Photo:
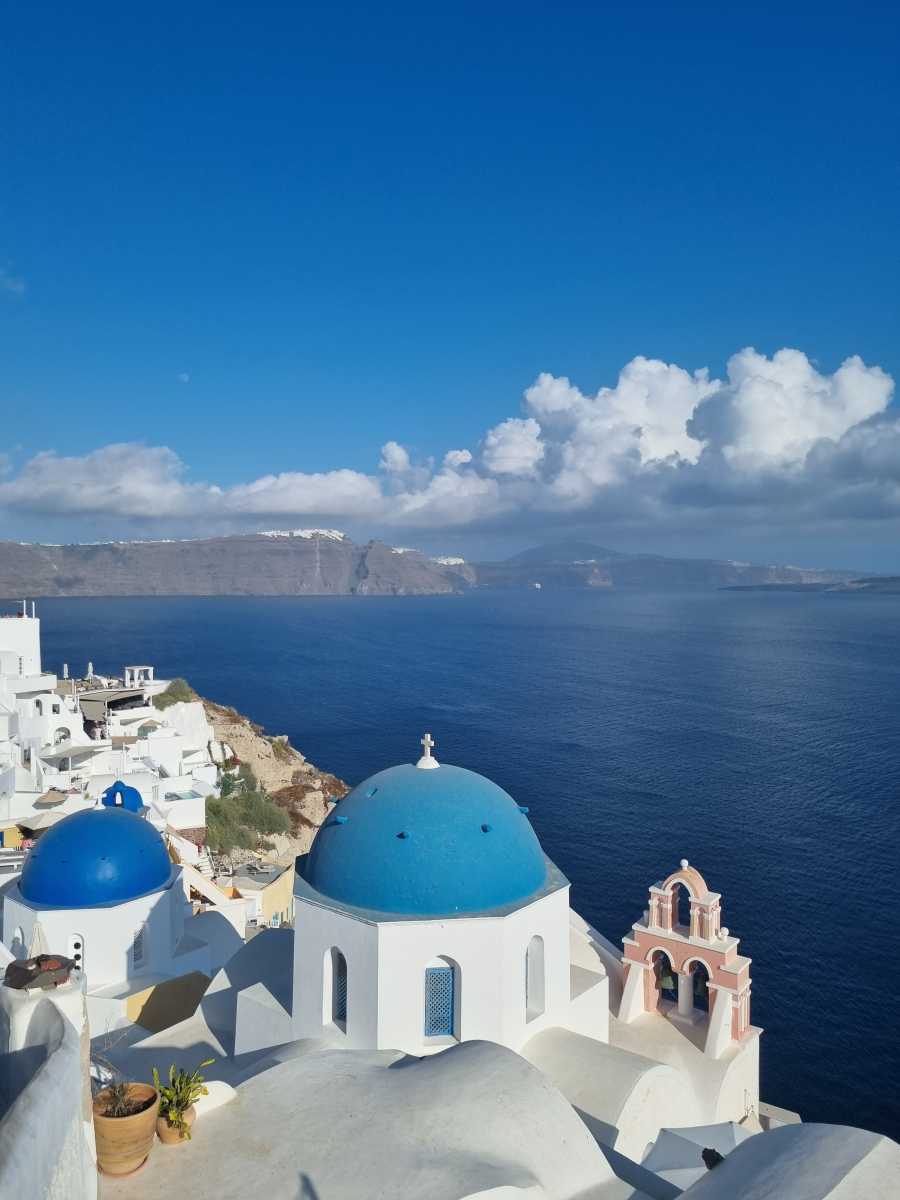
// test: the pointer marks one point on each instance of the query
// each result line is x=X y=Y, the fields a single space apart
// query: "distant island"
x=326 y=562
x=882 y=584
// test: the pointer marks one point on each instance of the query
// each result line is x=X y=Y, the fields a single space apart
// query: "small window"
x=440 y=1002
x=340 y=988
x=334 y=989
x=137 y=949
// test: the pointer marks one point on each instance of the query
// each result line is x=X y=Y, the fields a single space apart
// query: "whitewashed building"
x=427 y=888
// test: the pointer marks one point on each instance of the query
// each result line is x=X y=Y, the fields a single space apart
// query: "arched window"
x=534 y=979
x=138 y=949
x=441 y=998
x=700 y=986
x=334 y=989
x=61 y=735
x=664 y=981
x=681 y=906
x=18 y=949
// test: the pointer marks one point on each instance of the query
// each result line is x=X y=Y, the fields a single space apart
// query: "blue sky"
x=272 y=239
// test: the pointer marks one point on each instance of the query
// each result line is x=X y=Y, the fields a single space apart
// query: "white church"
x=439 y=1022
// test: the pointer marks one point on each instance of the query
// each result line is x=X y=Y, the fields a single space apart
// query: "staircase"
x=204 y=864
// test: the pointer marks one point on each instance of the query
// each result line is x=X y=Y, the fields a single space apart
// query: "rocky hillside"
x=583 y=565
x=325 y=562
x=293 y=782
x=302 y=562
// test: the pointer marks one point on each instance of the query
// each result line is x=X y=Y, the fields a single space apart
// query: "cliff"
x=293 y=783
x=325 y=562
x=279 y=563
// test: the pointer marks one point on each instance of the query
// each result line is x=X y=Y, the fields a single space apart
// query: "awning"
x=50 y=798
x=40 y=821
x=72 y=749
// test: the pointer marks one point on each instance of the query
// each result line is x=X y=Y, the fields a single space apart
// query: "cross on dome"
x=426 y=762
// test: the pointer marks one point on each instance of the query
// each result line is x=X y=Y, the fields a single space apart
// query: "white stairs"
x=204 y=864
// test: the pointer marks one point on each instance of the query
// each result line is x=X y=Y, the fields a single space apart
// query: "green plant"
x=177 y=691
x=113 y=1090
x=245 y=772
x=117 y=1101
x=177 y=1096
x=239 y=817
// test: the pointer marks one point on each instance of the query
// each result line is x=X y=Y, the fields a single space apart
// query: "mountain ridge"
x=326 y=562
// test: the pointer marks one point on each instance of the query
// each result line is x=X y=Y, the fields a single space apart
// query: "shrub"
x=238 y=818
x=178 y=690
x=223 y=831
x=256 y=811
x=251 y=783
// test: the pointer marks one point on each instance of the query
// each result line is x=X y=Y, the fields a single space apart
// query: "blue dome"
x=100 y=856
x=427 y=842
x=120 y=795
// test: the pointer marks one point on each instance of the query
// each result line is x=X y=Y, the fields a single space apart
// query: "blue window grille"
x=339 y=988
x=439 y=1002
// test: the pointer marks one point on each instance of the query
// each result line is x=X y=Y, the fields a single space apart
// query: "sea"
x=755 y=734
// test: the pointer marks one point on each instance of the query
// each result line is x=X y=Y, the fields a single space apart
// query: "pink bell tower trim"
x=663 y=947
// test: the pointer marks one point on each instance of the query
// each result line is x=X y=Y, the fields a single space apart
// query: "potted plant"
x=124 y=1123
x=176 y=1102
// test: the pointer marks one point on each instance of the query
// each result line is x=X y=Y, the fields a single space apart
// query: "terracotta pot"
x=171 y=1135
x=123 y=1143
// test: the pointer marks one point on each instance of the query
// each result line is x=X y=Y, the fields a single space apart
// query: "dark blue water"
x=756 y=735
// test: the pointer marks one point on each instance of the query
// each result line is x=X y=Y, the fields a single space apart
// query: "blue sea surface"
x=757 y=735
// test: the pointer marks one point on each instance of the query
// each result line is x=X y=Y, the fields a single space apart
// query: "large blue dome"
x=100 y=856
x=427 y=842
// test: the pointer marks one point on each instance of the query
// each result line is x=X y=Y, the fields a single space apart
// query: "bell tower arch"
x=711 y=977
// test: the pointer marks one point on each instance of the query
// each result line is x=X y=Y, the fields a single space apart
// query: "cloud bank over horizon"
x=775 y=444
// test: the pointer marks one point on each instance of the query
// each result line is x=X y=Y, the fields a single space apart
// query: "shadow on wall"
x=220 y=935
x=17 y=1069
x=169 y=1002
x=268 y=959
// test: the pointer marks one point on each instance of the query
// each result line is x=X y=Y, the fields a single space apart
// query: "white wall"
x=316 y=930
x=386 y=965
x=22 y=636
x=46 y=1136
x=107 y=933
x=188 y=718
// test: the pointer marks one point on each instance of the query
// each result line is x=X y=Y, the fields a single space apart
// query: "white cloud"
x=394 y=458
x=513 y=447
x=776 y=442
x=647 y=410
x=774 y=410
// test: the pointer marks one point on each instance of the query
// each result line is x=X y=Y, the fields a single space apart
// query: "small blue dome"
x=120 y=795
x=427 y=842
x=100 y=856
